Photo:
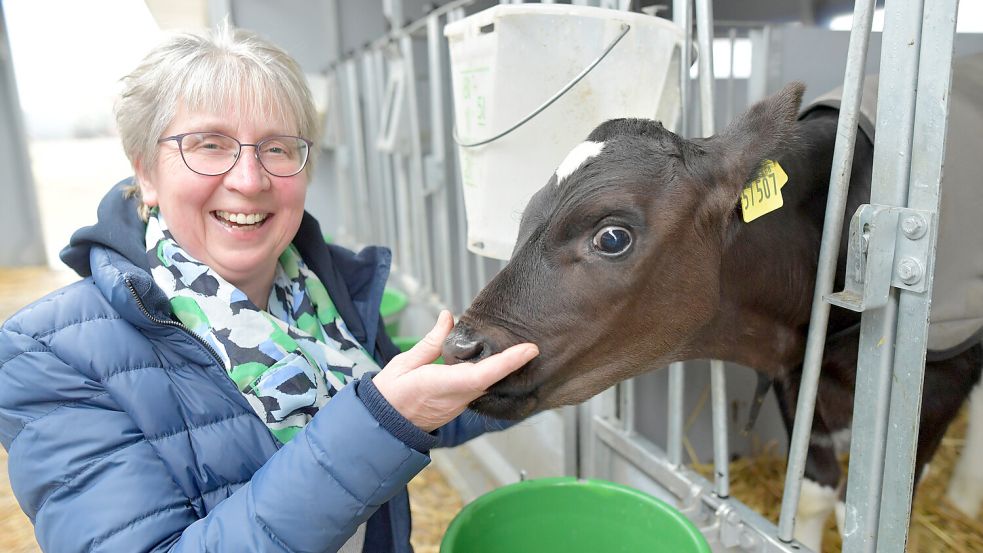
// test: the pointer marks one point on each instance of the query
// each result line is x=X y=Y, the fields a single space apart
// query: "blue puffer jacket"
x=126 y=434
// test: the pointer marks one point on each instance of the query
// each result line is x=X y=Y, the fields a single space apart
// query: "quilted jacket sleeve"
x=91 y=481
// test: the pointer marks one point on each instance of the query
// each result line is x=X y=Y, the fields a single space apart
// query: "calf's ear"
x=762 y=132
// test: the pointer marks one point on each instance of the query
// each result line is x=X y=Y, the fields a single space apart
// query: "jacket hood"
x=355 y=282
x=118 y=228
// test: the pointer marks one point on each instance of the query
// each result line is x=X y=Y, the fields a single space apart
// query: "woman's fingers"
x=431 y=395
x=429 y=348
x=490 y=370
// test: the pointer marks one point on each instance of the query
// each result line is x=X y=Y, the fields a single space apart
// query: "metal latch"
x=889 y=246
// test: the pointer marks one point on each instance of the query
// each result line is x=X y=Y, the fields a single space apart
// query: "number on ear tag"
x=764 y=194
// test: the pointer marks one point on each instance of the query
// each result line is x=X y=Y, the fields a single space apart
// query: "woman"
x=209 y=384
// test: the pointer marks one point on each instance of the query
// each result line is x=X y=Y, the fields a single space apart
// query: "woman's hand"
x=430 y=396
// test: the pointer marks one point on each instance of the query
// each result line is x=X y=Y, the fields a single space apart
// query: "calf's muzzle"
x=463 y=344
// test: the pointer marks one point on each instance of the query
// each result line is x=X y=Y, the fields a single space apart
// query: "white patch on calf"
x=966 y=484
x=841 y=518
x=581 y=153
x=815 y=505
x=839 y=440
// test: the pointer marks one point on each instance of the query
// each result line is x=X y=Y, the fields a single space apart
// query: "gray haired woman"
x=213 y=382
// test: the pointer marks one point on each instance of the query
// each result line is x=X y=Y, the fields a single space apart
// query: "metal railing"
x=392 y=105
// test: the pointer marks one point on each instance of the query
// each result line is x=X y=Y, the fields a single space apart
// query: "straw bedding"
x=936 y=526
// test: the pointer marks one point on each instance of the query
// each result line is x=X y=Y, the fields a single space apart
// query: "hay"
x=936 y=526
x=433 y=503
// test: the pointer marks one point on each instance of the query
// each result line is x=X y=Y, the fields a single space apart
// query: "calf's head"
x=617 y=265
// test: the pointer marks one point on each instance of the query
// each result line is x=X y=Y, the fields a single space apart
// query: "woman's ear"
x=148 y=190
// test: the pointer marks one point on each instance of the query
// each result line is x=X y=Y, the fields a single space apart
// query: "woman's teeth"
x=242 y=218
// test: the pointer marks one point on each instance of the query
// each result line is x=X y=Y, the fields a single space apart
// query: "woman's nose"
x=247 y=176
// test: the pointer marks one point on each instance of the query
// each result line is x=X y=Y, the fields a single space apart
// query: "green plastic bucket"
x=567 y=515
x=393 y=304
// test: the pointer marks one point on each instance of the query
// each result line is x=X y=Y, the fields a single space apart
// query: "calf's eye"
x=612 y=240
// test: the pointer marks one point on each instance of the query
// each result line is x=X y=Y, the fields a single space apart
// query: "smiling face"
x=237 y=223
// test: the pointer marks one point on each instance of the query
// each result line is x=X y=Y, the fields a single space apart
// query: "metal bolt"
x=914 y=226
x=910 y=270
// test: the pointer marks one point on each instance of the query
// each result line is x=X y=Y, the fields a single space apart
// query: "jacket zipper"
x=193 y=334
x=174 y=324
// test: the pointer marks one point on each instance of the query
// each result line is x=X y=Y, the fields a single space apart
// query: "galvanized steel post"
x=682 y=15
x=846 y=134
x=718 y=382
x=907 y=172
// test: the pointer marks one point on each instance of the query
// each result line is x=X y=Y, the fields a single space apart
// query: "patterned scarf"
x=287 y=361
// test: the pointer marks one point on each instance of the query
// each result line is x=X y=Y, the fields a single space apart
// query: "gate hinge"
x=889 y=246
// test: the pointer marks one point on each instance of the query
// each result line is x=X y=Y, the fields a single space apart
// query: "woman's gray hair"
x=223 y=69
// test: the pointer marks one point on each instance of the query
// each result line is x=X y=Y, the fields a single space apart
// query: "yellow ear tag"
x=763 y=194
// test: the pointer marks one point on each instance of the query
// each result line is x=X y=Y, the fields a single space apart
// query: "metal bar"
x=571 y=441
x=418 y=212
x=343 y=156
x=626 y=405
x=373 y=106
x=465 y=273
x=359 y=171
x=696 y=498
x=682 y=15
x=732 y=43
x=407 y=262
x=435 y=40
x=928 y=154
x=721 y=452
x=704 y=35
x=889 y=186
x=718 y=383
x=761 y=48
x=468 y=277
x=674 y=438
x=846 y=133
x=438 y=156
x=378 y=78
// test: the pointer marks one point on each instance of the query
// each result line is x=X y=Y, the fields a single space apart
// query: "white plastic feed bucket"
x=509 y=60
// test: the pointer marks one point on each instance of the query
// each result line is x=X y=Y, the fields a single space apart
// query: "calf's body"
x=636 y=255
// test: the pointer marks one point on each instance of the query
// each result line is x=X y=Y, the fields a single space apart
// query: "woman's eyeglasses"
x=213 y=154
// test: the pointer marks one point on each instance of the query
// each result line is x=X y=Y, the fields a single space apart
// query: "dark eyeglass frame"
x=179 y=138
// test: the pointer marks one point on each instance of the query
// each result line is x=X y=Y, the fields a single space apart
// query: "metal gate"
x=392 y=152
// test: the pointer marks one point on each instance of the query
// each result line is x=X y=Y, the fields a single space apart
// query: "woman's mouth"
x=241 y=220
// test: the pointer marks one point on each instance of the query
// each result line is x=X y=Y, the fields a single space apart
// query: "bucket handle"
x=624 y=30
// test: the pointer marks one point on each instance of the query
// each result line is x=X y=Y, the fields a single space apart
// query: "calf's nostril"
x=463 y=348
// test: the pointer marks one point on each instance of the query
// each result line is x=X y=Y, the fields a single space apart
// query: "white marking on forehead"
x=581 y=153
